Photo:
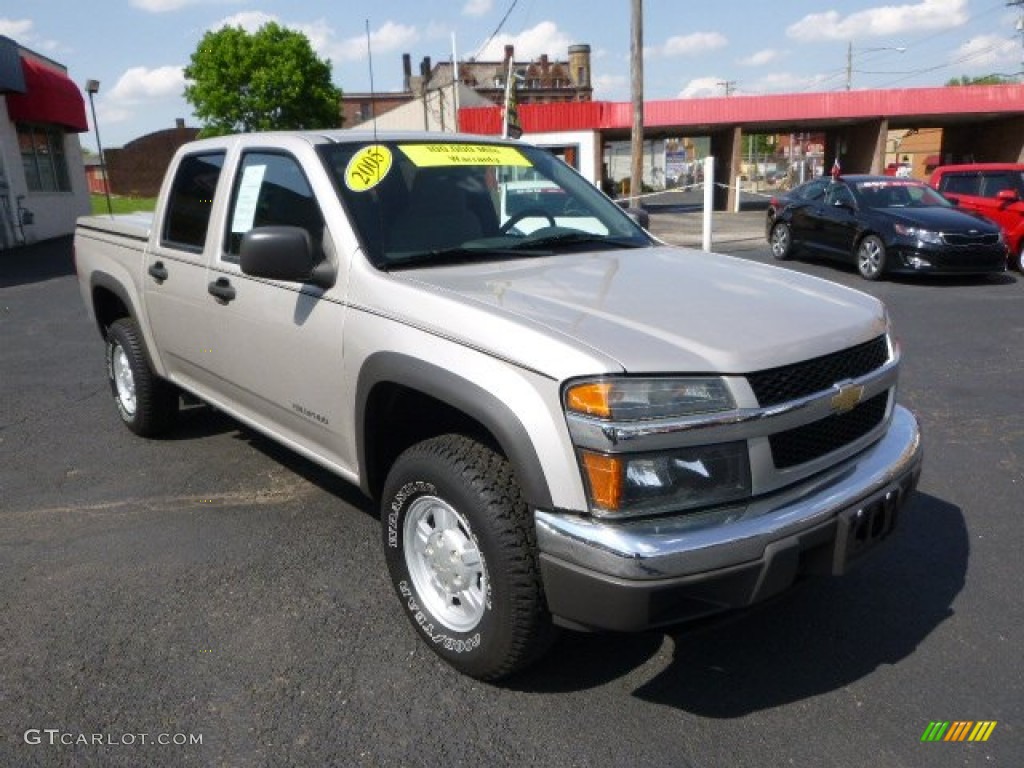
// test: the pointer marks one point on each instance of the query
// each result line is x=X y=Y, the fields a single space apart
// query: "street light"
x=92 y=87
x=849 y=58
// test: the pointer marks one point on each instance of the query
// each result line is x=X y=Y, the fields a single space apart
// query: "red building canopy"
x=50 y=97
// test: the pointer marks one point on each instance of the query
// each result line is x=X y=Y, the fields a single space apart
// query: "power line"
x=494 y=34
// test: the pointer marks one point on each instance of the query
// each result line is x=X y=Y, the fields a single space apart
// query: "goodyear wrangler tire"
x=460 y=547
x=147 y=404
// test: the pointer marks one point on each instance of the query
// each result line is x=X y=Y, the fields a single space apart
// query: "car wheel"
x=1020 y=257
x=781 y=240
x=147 y=404
x=461 y=551
x=871 y=257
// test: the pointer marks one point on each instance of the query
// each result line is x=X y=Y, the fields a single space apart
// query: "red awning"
x=50 y=97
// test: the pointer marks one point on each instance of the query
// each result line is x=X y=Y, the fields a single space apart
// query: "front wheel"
x=461 y=552
x=871 y=257
x=147 y=404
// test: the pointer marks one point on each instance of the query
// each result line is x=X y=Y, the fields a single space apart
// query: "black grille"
x=808 y=442
x=952 y=238
x=790 y=382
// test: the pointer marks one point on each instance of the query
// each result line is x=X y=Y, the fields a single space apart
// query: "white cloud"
x=165 y=6
x=987 y=52
x=611 y=87
x=880 y=22
x=388 y=38
x=760 y=58
x=16 y=28
x=703 y=87
x=250 y=21
x=139 y=84
x=323 y=38
x=689 y=45
x=785 y=82
x=477 y=7
x=546 y=37
x=23 y=31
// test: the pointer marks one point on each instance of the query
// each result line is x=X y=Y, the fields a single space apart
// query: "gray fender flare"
x=477 y=403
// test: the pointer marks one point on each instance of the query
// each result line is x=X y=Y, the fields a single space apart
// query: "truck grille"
x=790 y=382
x=808 y=442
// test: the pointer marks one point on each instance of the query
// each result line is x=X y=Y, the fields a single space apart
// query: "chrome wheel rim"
x=444 y=563
x=780 y=241
x=869 y=257
x=124 y=380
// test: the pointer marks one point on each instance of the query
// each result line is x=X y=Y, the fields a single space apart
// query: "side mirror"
x=1007 y=196
x=640 y=216
x=283 y=253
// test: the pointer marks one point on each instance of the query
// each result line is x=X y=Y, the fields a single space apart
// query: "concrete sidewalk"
x=743 y=231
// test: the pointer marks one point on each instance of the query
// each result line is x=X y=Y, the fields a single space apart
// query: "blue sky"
x=137 y=48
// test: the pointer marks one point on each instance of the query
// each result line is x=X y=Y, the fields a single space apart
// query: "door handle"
x=158 y=271
x=222 y=289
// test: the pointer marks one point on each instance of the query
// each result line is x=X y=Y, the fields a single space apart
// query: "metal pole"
x=99 y=147
x=636 y=49
x=709 y=199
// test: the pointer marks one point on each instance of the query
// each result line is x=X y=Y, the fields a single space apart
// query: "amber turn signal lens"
x=604 y=473
x=591 y=399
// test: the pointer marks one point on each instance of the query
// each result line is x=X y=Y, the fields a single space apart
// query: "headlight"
x=923 y=235
x=673 y=480
x=630 y=399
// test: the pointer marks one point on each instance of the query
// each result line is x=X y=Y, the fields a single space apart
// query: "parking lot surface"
x=211 y=599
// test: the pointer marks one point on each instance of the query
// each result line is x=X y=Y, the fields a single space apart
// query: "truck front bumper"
x=634 y=575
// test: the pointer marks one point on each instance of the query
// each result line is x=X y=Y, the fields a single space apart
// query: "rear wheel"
x=147 y=404
x=871 y=257
x=781 y=241
x=1020 y=257
x=461 y=551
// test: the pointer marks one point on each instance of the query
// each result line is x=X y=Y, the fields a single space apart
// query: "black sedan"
x=886 y=224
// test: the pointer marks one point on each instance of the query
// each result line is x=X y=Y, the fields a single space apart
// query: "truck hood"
x=665 y=309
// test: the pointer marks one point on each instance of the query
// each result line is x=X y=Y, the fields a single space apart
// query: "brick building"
x=137 y=168
x=540 y=81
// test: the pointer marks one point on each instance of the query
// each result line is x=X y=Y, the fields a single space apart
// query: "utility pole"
x=849 y=64
x=636 y=53
x=728 y=85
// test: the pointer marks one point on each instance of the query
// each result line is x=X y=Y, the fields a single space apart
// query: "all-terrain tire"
x=461 y=550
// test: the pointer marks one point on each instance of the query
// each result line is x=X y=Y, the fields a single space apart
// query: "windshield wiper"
x=458 y=255
x=574 y=238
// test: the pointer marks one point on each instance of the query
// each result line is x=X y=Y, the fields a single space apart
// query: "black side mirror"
x=283 y=253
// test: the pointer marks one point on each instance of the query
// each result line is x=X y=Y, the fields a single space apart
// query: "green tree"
x=983 y=80
x=269 y=80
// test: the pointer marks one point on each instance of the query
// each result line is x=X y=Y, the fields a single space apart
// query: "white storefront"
x=42 y=177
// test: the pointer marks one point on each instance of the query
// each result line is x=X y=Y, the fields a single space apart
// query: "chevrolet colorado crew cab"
x=564 y=422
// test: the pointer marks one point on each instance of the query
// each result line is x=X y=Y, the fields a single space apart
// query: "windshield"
x=422 y=203
x=898 y=194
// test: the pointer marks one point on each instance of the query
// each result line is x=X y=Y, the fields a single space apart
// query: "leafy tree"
x=269 y=80
x=983 y=80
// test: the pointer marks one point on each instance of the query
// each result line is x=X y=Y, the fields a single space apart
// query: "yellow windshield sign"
x=435 y=155
x=367 y=168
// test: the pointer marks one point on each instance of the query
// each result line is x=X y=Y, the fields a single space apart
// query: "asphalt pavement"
x=213 y=599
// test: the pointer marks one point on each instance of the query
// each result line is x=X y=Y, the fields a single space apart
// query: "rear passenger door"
x=282 y=341
x=175 y=284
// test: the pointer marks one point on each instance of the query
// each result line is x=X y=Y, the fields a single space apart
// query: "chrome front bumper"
x=671 y=555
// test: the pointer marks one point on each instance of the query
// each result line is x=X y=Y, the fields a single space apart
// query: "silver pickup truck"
x=564 y=422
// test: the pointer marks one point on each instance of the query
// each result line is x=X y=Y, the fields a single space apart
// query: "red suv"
x=995 y=190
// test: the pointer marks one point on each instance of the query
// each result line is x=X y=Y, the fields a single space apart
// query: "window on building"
x=42 y=154
x=365 y=111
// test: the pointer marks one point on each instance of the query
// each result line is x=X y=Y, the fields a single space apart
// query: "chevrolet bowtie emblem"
x=847 y=398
